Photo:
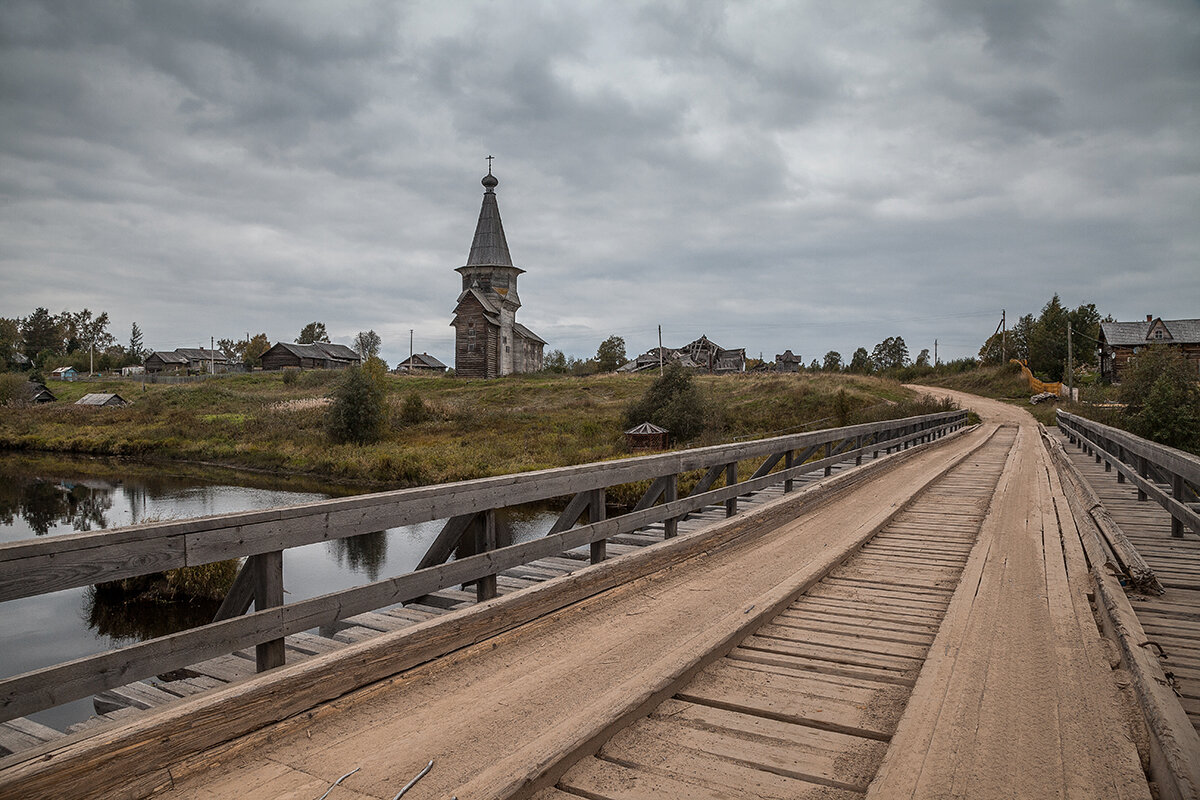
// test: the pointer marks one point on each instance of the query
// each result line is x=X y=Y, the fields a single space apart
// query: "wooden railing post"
x=1143 y=471
x=1121 y=456
x=670 y=495
x=858 y=443
x=268 y=593
x=789 y=460
x=1177 y=493
x=730 y=479
x=596 y=513
x=485 y=532
x=828 y=453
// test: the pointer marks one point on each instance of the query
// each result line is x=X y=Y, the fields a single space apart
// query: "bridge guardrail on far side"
x=1171 y=477
x=34 y=567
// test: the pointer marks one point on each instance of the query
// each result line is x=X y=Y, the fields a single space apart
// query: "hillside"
x=474 y=428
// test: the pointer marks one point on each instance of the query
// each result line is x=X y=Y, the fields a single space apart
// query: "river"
x=43 y=496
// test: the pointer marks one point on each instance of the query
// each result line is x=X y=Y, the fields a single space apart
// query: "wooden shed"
x=102 y=399
x=646 y=436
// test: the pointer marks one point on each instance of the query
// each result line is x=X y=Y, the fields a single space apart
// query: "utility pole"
x=212 y=355
x=410 y=340
x=1003 y=338
x=660 y=358
x=935 y=358
x=1070 y=366
x=92 y=358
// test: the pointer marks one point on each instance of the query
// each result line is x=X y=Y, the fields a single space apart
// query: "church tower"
x=488 y=340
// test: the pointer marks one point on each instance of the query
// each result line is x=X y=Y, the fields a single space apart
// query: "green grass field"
x=476 y=428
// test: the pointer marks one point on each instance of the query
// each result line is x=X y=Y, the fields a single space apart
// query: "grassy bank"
x=1002 y=382
x=474 y=429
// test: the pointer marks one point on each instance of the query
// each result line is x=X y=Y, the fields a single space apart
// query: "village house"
x=186 y=360
x=702 y=354
x=318 y=355
x=488 y=340
x=103 y=400
x=788 y=362
x=37 y=393
x=421 y=364
x=65 y=374
x=1121 y=341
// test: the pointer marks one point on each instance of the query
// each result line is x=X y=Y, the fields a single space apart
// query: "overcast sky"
x=811 y=176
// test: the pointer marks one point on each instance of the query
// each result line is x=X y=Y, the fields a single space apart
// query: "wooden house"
x=162 y=361
x=788 y=362
x=488 y=340
x=318 y=355
x=102 y=400
x=421 y=364
x=200 y=359
x=1122 y=341
x=37 y=393
x=702 y=354
x=65 y=374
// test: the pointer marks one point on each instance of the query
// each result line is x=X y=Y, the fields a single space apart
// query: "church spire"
x=489 y=247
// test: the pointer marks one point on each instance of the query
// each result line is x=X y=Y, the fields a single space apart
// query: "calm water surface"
x=47 y=497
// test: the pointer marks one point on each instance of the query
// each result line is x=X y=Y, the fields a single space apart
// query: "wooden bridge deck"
x=1172 y=620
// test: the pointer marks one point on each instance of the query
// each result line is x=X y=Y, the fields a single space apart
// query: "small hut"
x=102 y=399
x=646 y=436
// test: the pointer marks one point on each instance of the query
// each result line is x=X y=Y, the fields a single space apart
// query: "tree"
x=833 y=361
x=610 y=354
x=367 y=344
x=555 y=361
x=358 y=413
x=1162 y=396
x=136 y=353
x=674 y=402
x=814 y=366
x=312 y=332
x=1048 y=341
x=10 y=342
x=234 y=351
x=891 y=353
x=42 y=334
x=922 y=358
x=255 y=347
x=1020 y=338
x=1085 y=327
x=860 y=362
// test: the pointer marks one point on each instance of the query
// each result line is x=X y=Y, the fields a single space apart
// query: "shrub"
x=674 y=402
x=1162 y=397
x=290 y=377
x=414 y=411
x=14 y=389
x=358 y=412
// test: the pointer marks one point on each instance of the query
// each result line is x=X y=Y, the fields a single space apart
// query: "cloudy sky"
x=809 y=175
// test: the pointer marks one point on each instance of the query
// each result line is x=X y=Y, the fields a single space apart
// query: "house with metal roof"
x=186 y=359
x=1122 y=341
x=488 y=341
x=102 y=399
x=65 y=374
x=318 y=355
x=421 y=363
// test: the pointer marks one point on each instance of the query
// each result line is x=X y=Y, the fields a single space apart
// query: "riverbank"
x=474 y=428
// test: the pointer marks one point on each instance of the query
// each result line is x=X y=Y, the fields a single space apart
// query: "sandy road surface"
x=489 y=715
x=1016 y=699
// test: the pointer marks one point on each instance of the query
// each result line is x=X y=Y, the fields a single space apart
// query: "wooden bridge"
x=912 y=608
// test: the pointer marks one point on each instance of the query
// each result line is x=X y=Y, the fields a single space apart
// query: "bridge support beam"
x=485 y=533
x=596 y=513
x=268 y=593
x=670 y=495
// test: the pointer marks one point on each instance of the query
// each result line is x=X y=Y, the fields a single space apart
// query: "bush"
x=1162 y=398
x=674 y=402
x=358 y=412
x=14 y=389
x=291 y=377
x=414 y=411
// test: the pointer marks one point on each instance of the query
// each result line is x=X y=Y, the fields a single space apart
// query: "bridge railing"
x=1171 y=477
x=39 y=566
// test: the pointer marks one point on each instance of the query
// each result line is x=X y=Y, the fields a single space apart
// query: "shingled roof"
x=489 y=248
x=1134 y=334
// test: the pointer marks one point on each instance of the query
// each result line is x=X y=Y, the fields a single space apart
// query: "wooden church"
x=488 y=340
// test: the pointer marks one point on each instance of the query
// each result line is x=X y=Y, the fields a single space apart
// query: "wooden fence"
x=1171 y=477
x=35 y=567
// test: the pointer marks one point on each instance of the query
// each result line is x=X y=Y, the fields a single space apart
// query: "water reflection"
x=126 y=623
x=364 y=553
x=47 y=504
